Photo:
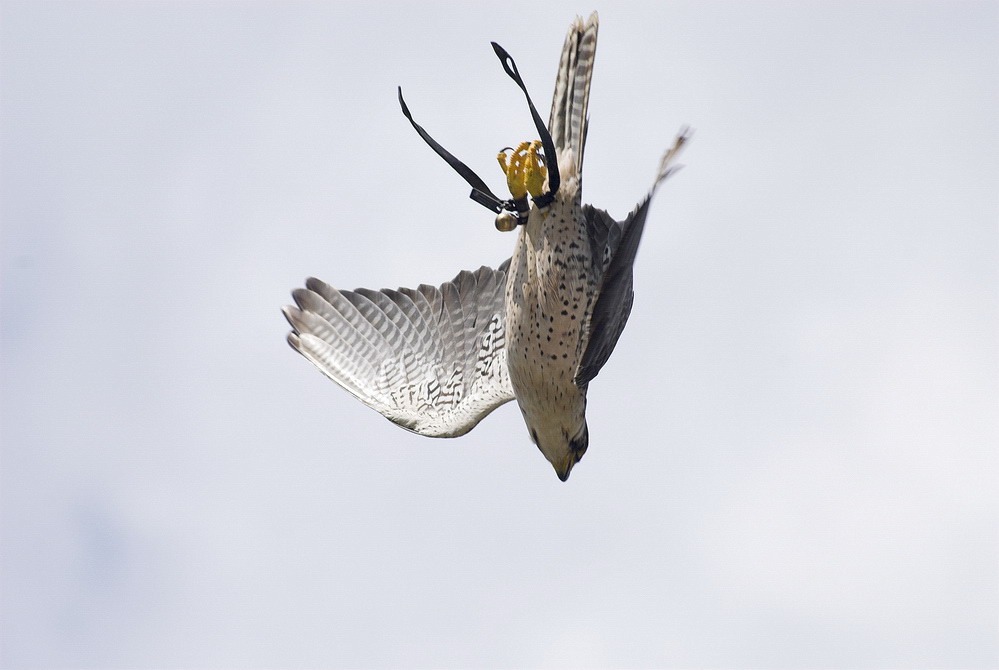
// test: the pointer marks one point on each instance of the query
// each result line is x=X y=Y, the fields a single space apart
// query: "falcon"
x=537 y=329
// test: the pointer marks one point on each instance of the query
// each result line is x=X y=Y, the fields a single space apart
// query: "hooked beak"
x=563 y=472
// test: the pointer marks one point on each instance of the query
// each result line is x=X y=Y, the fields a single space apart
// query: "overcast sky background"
x=793 y=450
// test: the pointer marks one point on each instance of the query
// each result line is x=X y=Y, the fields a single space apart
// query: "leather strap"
x=480 y=192
x=551 y=158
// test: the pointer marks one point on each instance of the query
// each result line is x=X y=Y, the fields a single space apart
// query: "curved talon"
x=534 y=170
x=524 y=168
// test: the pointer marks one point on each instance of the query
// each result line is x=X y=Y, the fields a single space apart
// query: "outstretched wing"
x=567 y=123
x=614 y=245
x=431 y=359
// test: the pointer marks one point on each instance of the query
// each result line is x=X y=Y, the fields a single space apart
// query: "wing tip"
x=667 y=164
x=293 y=315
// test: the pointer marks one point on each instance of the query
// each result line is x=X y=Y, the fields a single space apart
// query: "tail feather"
x=572 y=89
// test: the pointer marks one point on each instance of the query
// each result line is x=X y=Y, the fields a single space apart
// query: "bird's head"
x=562 y=448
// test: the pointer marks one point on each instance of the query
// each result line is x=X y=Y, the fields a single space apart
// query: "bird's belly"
x=544 y=355
x=549 y=300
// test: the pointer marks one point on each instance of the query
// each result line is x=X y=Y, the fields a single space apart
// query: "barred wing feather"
x=568 y=121
x=431 y=359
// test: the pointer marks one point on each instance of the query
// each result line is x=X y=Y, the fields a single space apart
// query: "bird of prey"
x=537 y=329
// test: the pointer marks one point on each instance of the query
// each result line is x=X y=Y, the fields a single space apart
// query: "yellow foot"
x=524 y=169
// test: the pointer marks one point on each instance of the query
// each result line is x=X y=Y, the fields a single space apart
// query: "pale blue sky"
x=793 y=450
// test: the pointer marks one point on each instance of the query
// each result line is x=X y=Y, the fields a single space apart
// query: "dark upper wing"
x=432 y=359
x=614 y=246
